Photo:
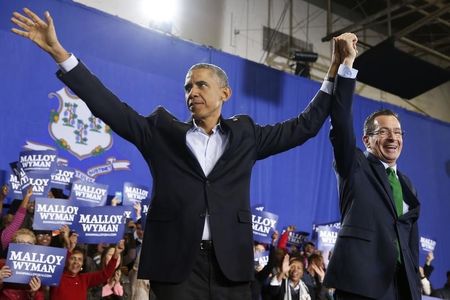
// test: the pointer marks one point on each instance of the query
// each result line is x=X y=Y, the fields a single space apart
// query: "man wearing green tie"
x=376 y=253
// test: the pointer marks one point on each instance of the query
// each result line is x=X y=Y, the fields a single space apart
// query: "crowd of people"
x=102 y=271
x=94 y=271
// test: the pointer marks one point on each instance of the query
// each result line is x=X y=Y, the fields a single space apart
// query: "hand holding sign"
x=5 y=272
x=35 y=284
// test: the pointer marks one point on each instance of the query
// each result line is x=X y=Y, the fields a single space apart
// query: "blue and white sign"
x=296 y=239
x=27 y=261
x=40 y=181
x=41 y=161
x=261 y=259
x=51 y=214
x=19 y=180
x=264 y=224
x=427 y=244
x=103 y=223
x=62 y=177
x=133 y=193
x=326 y=235
x=88 y=193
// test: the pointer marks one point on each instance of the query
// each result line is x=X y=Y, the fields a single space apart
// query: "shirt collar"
x=388 y=166
x=195 y=127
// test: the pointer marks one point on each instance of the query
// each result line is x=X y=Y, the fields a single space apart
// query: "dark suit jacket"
x=182 y=193
x=365 y=254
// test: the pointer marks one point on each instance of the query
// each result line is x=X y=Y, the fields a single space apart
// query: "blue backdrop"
x=147 y=69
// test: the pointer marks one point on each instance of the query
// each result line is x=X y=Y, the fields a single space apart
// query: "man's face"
x=204 y=94
x=386 y=142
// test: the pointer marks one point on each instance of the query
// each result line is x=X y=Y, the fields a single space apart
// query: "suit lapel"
x=234 y=137
x=179 y=132
x=380 y=173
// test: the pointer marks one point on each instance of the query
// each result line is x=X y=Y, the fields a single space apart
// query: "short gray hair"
x=223 y=78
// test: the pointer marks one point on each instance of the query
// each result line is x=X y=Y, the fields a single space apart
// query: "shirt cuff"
x=68 y=64
x=327 y=87
x=274 y=281
x=347 y=72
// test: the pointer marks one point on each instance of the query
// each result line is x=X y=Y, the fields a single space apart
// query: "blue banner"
x=94 y=224
x=264 y=224
x=51 y=214
x=27 y=261
x=88 y=193
x=62 y=177
x=37 y=160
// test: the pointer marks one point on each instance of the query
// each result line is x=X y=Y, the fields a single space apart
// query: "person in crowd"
x=288 y=284
x=13 y=291
x=205 y=226
x=8 y=232
x=313 y=277
x=4 y=190
x=444 y=292
x=378 y=204
x=428 y=268
x=424 y=282
x=74 y=285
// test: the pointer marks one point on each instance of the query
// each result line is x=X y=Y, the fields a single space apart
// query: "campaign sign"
x=145 y=207
x=264 y=224
x=427 y=244
x=326 y=235
x=27 y=261
x=133 y=193
x=19 y=180
x=261 y=259
x=40 y=181
x=51 y=214
x=103 y=223
x=42 y=161
x=79 y=175
x=88 y=193
x=129 y=212
x=15 y=191
x=296 y=239
x=62 y=177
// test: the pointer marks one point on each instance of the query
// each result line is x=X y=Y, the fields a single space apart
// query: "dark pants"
x=205 y=282
x=397 y=290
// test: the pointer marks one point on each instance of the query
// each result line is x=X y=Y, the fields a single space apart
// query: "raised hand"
x=345 y=45
x=119 y=248
x=41 y=32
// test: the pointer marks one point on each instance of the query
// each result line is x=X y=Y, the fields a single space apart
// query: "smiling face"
x=386 y=140
x=205 y=94
x=295 y=271
x=75 y=263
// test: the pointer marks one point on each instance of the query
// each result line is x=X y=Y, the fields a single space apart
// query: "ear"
x=365 y=140
x=226 y=93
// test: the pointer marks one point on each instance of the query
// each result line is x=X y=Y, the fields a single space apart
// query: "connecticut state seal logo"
x=74 y=127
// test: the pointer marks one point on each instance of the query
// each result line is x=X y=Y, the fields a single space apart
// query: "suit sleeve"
x=272 y=139
x=106 y=106
x=342 y=135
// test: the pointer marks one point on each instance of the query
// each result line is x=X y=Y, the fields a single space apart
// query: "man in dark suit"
x=376 y=253
x=198 y=236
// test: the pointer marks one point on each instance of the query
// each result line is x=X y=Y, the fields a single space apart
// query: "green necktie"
x=398 y=200
x=396 y=190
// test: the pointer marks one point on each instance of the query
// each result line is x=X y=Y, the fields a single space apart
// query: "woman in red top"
x=73 y=285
